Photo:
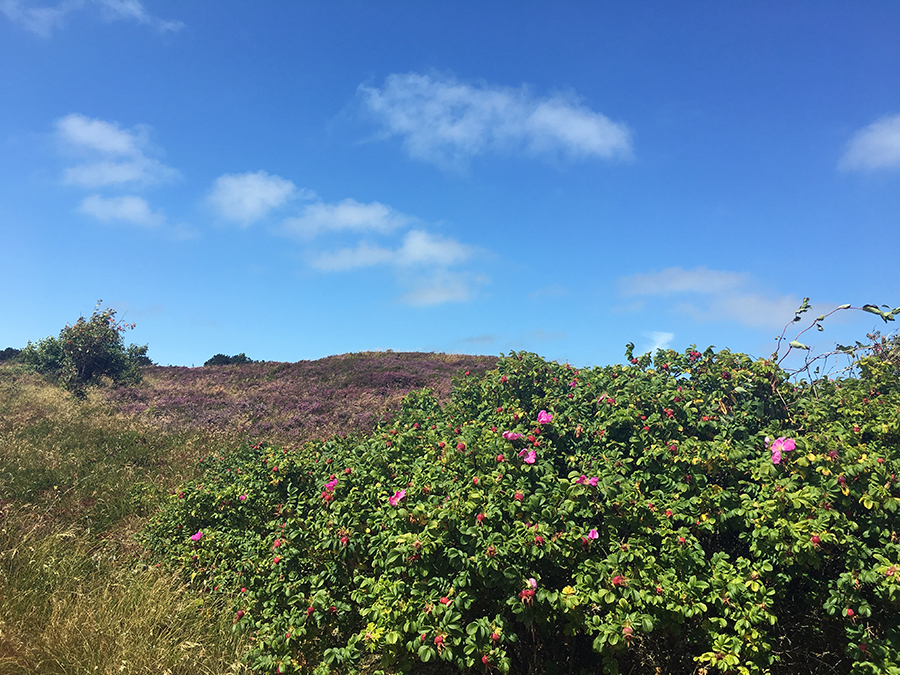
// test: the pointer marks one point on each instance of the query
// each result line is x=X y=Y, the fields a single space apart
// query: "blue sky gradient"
x=294 y=180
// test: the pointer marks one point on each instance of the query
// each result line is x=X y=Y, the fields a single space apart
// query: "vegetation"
x=80 y=477
x=86 y=352
x=223 y=360
x=682 y=513
x=9 y=354
x=689 y=510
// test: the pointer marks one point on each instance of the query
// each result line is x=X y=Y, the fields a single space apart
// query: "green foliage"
x=86 y=352
x=223 y=360
x=9 y=354
x=645 y=526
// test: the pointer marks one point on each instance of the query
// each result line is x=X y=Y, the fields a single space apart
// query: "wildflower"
x=544 y=417
x=511 y=435
x=197 y=537
x=581 y=480
x=530 y=457
x=778 y=446
x=532 y=583
x=398 y=495
x=593 y=533
x=330 y=485
x=243 y=498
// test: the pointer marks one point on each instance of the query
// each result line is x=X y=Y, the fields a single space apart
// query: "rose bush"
x=624 y=518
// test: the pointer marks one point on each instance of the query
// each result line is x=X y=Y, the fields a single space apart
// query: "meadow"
x=79 y=479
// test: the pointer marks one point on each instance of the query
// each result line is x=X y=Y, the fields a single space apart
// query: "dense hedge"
x=695 y=511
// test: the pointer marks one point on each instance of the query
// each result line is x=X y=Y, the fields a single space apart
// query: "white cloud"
x=248 y=197
x=423 y=262
x=717 y=296
x=39 y=20
x=348 y=215
x=132 y=9
x=104 y=137
x=43 y=20
x=658 y=340
x=443 y=287
x=445 y=121
x=418 y=249
x=128 y=208
x=114 y=155
x=875 y=147
x=363 y=255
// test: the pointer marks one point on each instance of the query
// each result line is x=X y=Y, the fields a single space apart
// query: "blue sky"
x=298 y=179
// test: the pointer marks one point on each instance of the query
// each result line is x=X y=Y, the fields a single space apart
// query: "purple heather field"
x=290 y=403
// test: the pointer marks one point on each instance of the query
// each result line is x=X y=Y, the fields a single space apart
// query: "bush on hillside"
x=223 y=360
x=9 y=354
x=683 y=512
x=86 y=352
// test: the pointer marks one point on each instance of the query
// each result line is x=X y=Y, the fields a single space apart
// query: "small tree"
x=87 y=351
x=224 y=360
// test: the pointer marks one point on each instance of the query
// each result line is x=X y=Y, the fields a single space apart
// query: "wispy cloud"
x=43 y=20
x=443 y=286
x=712 y=295
x=128 y=208
x=114 y=156
x=347 y=215
x=248 y=197
x=424 y=263
x=419 y=248
x=446 y=121
x=38 y=20
x=877 y=146
x=133 y=10
x=657 y=340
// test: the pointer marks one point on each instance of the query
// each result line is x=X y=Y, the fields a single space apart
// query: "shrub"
x=9 y=354
x=693 y=510
x=223 y=360
x=86 y=352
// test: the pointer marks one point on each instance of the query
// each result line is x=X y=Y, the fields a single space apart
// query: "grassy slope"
x=79 y=478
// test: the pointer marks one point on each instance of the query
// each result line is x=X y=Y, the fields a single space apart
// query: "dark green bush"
x=223 y=360
x=86 y=352
x=694 y=511
x=9 y=354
